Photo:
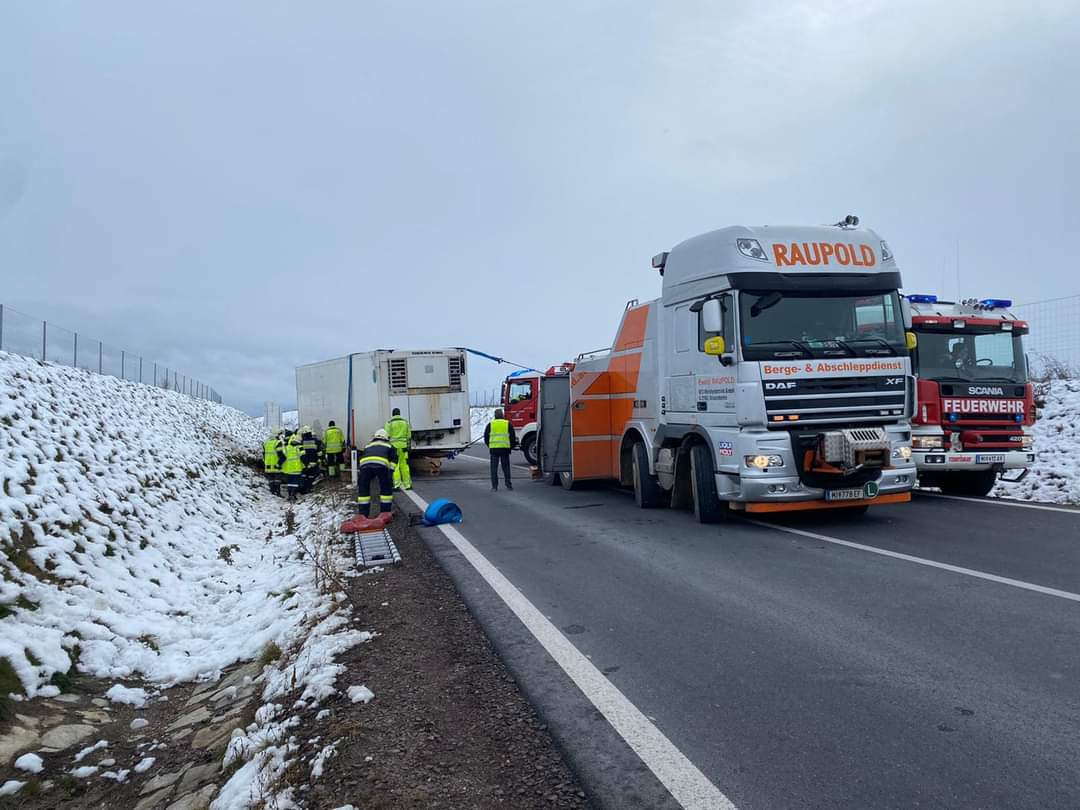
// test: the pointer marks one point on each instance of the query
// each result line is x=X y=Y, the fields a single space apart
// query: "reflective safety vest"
x=378 y=452
x=270 y=455
x=400 y=431
x=294 y=462
x=334 y=440
x=310 y=447
x=499 y=435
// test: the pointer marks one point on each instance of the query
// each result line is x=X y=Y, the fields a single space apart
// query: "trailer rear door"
x=554 y=424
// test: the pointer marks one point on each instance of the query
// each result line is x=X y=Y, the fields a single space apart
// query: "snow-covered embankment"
x=137 y=542
x=1055 y=476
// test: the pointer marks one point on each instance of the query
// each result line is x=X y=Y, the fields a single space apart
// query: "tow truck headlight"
x=761 y=462
x=751 y=249
x=927 y=442
x=903 y=452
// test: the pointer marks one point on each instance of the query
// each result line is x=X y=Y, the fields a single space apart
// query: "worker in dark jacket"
x=500 y=438
x=377 y=461
x=312 y=450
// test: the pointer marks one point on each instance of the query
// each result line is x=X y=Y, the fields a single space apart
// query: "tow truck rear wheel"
x=647 y=493
x=972 y=484
x=528 y=449
x=708 y=508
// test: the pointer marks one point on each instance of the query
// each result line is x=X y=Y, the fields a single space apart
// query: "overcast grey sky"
x=236 y=188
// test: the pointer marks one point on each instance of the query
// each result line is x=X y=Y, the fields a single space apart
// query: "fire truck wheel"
x=647 y=492
x=528 y=449
x=708 y=508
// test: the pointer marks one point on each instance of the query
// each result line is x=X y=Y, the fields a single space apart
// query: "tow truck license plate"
x=990 y=458
x=851 y=494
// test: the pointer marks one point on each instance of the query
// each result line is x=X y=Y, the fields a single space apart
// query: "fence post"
x=155 y=373
x=1 y=327
x=99 y=353
x=140 y=369
x=76 y=361
x=121 y=364
x=44 y=327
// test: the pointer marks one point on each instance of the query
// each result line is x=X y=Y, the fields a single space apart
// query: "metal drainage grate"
x=375 y=548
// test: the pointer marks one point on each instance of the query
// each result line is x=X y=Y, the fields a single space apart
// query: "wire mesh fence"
x=33 y=337
x=485 y=399
x=1055 y=330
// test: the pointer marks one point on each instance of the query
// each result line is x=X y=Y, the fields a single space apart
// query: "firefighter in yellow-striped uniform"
x=377 y=461
x=333 y=447
x=400 y=432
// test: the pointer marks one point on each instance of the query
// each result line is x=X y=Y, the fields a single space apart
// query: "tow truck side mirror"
x=712 y=317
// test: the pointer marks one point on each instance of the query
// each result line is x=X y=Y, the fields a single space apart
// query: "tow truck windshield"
x=791 y=325
x=971 y=355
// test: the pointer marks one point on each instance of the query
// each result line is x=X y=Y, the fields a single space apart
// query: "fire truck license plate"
x=990 y=458
x=851 y=494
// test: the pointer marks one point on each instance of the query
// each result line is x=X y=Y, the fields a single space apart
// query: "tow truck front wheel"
x=972 y=484
x=708 y=508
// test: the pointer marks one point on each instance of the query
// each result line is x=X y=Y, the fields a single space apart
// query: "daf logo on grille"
x=779 y=386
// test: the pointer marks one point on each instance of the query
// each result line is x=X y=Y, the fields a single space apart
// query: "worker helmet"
x=306 y=429
x=380 y=434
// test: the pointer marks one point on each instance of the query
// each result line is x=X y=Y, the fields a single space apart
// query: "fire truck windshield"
x=790 y=325
x=971 y=355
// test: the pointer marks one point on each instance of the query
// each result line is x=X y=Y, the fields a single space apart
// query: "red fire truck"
x=520 y=395
x=975 y=404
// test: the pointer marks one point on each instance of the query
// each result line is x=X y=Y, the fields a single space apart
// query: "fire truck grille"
x=836 y=400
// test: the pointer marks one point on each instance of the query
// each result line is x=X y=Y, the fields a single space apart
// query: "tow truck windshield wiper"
x=880 y=341
x=798 y=344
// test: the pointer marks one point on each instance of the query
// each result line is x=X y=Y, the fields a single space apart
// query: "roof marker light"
x=1006 y=326
x=886 y=255
x=922 y=299
x=751 y=249
x=995 y=303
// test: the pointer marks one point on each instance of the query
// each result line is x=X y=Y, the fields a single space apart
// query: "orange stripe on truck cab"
x=632 y=332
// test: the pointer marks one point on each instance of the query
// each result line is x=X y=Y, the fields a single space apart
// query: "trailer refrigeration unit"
x=361 y=390
x=975 y=405
x=771 y=375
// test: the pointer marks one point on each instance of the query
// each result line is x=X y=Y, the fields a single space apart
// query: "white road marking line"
x=996 y=502
x=690 y=787
x=956 y=569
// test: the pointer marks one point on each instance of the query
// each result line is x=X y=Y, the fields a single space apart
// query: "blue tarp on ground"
x=442 y=511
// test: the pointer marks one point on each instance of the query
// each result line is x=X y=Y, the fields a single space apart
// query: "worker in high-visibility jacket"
x=500 y=438
x=333 y=447
x=400 y=432
x=272 y=447
x=376 y=462
x=293 y=466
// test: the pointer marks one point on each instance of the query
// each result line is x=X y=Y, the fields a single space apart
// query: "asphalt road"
x=797 y=672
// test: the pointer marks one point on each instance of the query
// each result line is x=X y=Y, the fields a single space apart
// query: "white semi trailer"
x=360 y=391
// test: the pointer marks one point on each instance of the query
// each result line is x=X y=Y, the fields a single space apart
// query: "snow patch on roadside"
x=1055 y=476
x=135 y=537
